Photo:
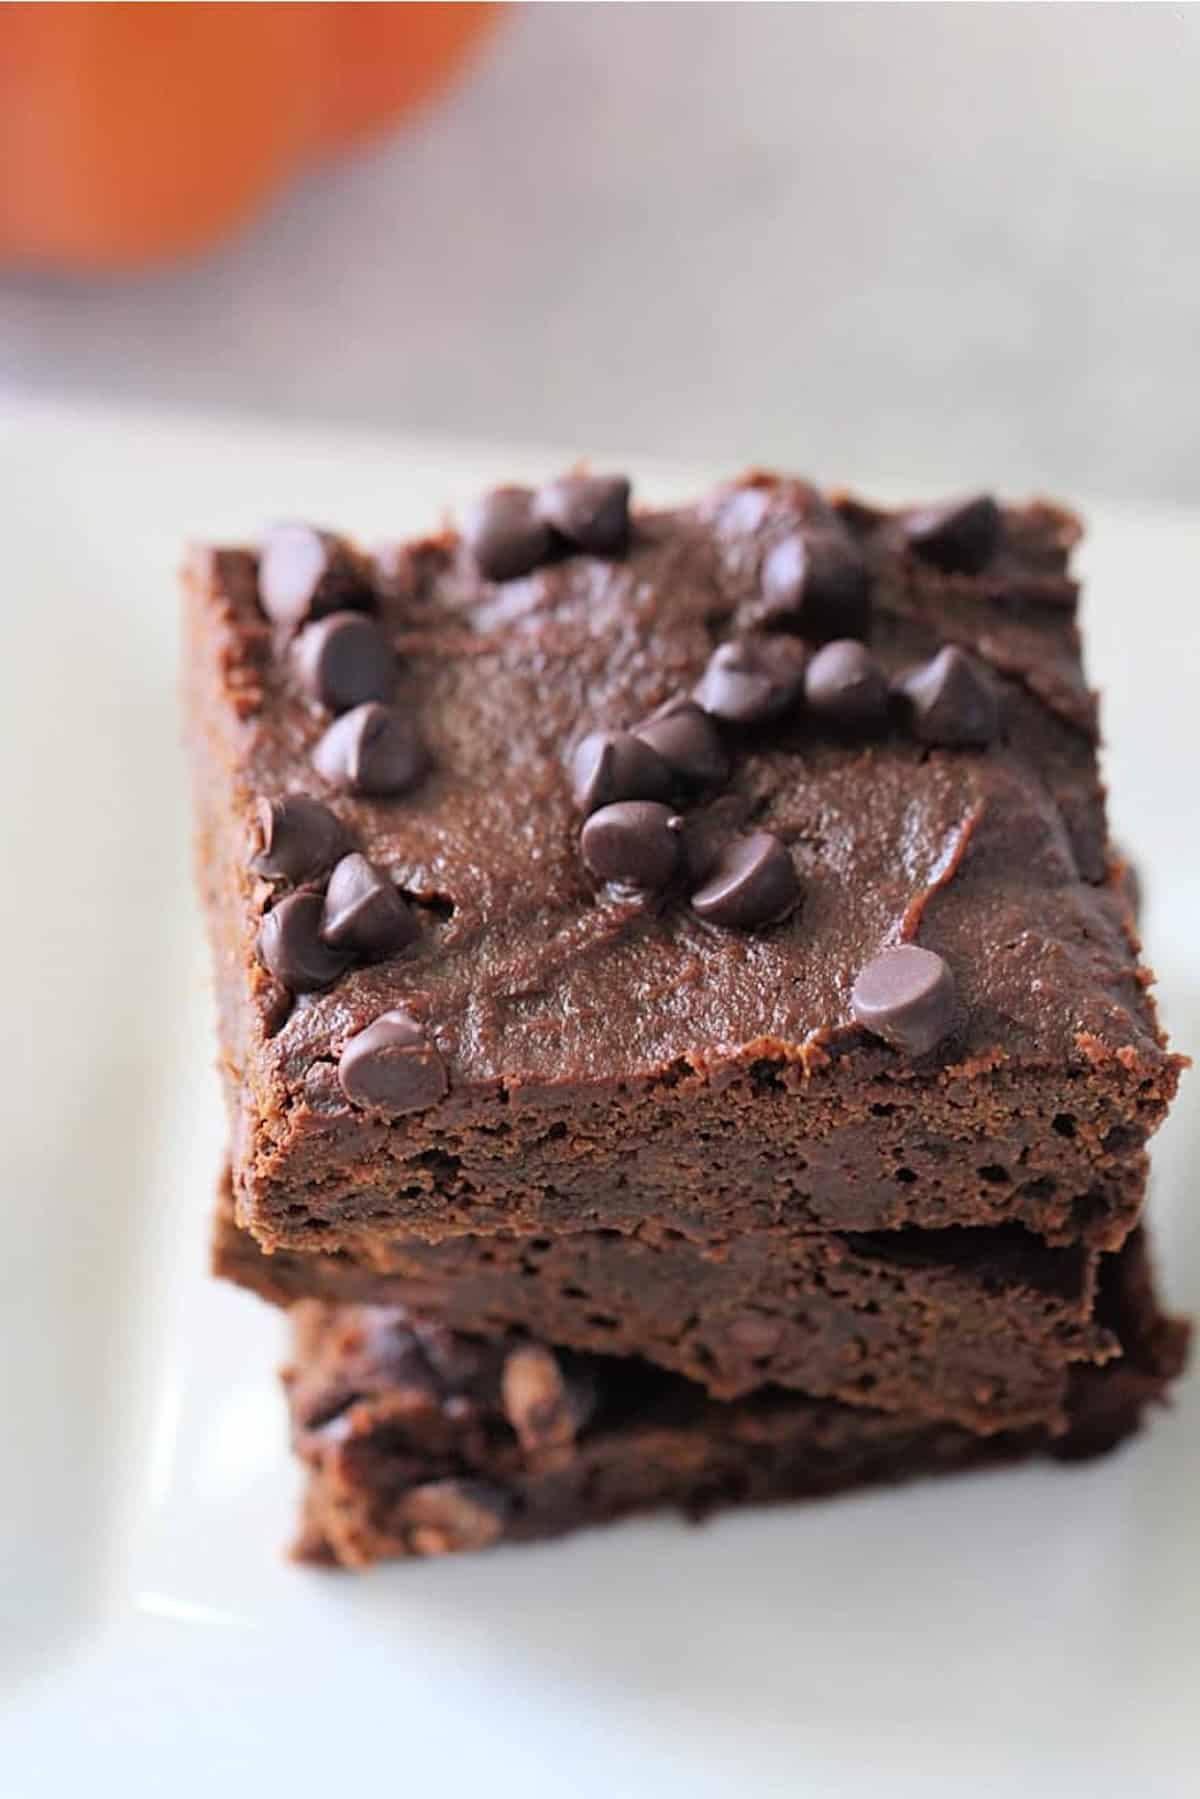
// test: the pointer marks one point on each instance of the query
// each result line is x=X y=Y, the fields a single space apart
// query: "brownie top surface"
x=523 y=965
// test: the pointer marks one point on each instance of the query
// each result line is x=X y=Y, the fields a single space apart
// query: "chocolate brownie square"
x=737 y=867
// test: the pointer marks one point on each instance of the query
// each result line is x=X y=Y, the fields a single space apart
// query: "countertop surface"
x=948 y=243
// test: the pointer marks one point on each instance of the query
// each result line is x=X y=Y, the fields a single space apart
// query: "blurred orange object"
x=130 y=133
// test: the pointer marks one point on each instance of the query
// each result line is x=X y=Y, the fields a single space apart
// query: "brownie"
x=979 y=1327
x=421 y=1442
x=728 y=867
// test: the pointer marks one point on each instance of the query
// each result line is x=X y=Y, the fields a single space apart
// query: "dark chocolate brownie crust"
x=418 y=1442
x=611 y=1059
x=976 y=1327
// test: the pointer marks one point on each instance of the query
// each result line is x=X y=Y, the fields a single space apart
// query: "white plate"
x=1030 y=1632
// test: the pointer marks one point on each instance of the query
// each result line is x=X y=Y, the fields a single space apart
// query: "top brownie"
x=744 y=862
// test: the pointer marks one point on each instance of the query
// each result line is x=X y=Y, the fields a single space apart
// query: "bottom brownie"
x=419 y=1441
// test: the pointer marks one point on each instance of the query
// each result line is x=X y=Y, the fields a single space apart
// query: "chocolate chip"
x=535 y=1398
x=301 y=838
x=364 y=912
x=751 y=678
x=635 y=842
x=444 y=1516
x=371 y=750
x=687 y=740
x=815 y=583
x=950 y=700
x=959 y=536
x=344 y=659
x=590 y=511
x=305 y=573
x=844 y=685
x=290 y=945
x=392 y=1067
x=906 y=996
x=615 y=765
x=505 y=534
x=751 y=883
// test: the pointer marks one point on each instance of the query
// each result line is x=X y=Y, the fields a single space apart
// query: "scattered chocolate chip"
x=751 y=883
x=364 y=912
x=535 y=1398
x=615 y=765
x=906 y=996
x=950 y=700
x=371 y=750
x=290 y=945
x=505 y=534
x=305 y=573
x=751 y=678
x=443 y=1516
x=301 y=838
x=959 y=536
x=687 y=740
x=345 y=659
x=844 y=685
x=590 y=511
x=635 y=842
x=392 y=1067
x=815 y=583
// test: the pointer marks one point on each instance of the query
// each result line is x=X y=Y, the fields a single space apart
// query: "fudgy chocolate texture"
x=612 y=1058
x=419 y=1442
x=978 y=1327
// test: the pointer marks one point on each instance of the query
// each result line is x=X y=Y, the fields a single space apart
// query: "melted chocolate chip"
x=301 y=838
x=845 y=686
x=950 y=700
x=615 y=765
x=444 y=1516
x=906 y=996
x=290 y=945
x=344 y=659
x=306 y=573
x=959 y=536
x=635 y=842
x=752 y=883
x=590 y=511
x=751 y=678
x=364 y=912
x=687 y=740
x=506 y=535
x=535 y=1398
x=372 y=750
x=392 y=1067
x=815 y=583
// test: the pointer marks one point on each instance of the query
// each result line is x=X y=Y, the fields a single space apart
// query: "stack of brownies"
x=680 y=1010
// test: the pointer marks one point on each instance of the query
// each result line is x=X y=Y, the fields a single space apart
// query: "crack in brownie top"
x=516 y=961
